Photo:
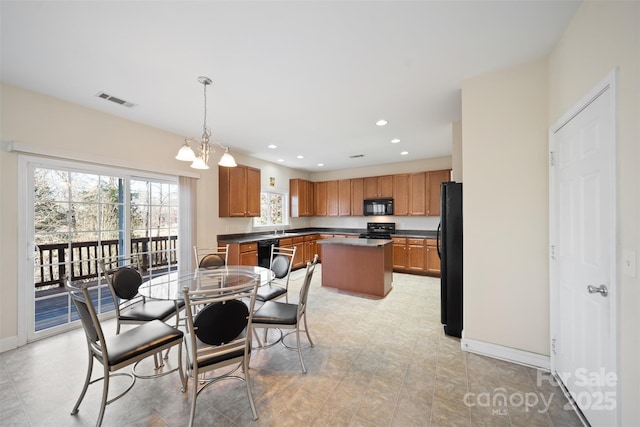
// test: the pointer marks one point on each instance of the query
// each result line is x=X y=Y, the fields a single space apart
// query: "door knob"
x=602 y=290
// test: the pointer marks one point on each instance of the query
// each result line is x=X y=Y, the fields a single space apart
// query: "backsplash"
x=245 y=225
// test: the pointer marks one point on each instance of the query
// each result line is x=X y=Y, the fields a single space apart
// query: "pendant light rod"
x=201 y=161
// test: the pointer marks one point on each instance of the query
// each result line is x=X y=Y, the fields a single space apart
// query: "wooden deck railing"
x=51 y=259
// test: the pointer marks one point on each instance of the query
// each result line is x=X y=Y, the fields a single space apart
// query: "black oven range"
x=379 y=230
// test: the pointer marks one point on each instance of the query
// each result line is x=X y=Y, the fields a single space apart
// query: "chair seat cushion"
x=269 y=292
x=140 y=340
x=150 y=310
x=276 y=313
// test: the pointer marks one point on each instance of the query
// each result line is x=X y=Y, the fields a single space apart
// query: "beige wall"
x=504 y=129
x=456 y=151
x=601 y=37
x=37 y=120
x=505 y=119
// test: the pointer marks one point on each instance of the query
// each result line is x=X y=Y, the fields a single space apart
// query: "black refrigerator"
x=450 y=252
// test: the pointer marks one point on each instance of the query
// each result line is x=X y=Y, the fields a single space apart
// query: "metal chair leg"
x=304 y=369
x=105 y=394
x=87 y=380
x=249 y=394
x=193 y=399
x=306 y=329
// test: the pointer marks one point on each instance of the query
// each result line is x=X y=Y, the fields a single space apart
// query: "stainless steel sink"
x=283 y=234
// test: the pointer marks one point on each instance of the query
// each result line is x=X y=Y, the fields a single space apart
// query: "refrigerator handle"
x=438 y=241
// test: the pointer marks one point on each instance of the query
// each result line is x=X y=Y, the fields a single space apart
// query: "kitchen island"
x=362 y=266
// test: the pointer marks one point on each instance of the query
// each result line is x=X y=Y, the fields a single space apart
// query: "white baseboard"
x=509 y=354
x=7 y=344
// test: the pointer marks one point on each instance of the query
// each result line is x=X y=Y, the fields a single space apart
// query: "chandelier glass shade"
x=204 y=143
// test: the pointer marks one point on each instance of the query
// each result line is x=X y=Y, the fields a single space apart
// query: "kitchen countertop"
x=355 y=242
x=254 y=237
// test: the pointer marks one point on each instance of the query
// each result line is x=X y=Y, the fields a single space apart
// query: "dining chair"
x=124 y=280
x=281 y=315
x=120 y=350
x=218 y=333
x=211 y=257
x=280 y=262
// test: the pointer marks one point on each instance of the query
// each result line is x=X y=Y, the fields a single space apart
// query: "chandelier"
x=205 y=145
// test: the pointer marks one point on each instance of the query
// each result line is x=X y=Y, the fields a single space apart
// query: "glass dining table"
x=170 y=286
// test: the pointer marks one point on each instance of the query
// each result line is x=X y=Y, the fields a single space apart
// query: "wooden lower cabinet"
x=410 y=255
x=310 y=247
x=399 y=254
x=243 y=253
x=416 y=256
x=298 y=260
x=433 y=259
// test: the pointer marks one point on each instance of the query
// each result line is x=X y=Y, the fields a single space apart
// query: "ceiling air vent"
x=355 y=156
x=116 y=100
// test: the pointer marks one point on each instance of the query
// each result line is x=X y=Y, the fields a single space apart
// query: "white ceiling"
x=311 y=77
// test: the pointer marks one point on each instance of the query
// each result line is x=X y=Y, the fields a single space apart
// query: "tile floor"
x=375 y=363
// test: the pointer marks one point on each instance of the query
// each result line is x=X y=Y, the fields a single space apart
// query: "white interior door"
x=583 y=257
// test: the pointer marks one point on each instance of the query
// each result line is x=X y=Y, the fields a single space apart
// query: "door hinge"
x=552 y=158
x=553 y=252
x=553 y=345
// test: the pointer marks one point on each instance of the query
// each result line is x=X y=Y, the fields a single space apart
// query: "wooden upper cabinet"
x=418 y=194
x=357 y=196
x=311 y=200
x=433 y=192
x=320 y=192
x=385 y=186
x=301 y=200
x=401 y=194
x=344 y=197
x=376 y=187
x=332 y=198
x=239 y=191
x=296 y=197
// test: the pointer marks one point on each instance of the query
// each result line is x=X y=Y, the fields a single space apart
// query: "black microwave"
x=378 y=207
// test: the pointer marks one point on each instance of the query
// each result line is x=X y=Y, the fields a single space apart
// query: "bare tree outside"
x=79 y=217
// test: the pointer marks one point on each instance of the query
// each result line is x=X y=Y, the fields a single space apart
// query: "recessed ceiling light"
x=395 y=140
x=281 y=160
x=320 y=164
x=404 y=153
x=272 y=146
x=300 y=156
x=381 y=122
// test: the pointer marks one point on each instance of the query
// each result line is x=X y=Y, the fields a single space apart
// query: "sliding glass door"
x=77 y=215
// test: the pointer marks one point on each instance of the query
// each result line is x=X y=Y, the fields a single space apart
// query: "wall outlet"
x=629 y=263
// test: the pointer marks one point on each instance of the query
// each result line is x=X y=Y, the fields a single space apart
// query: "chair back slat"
x=125 y=281
x=211 y=257
x=221 y=322
x=304 y=289
x=227 y=311
x=280 y=266
x=87 y=313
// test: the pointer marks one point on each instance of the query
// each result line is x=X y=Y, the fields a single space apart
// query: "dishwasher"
x=264 y=251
